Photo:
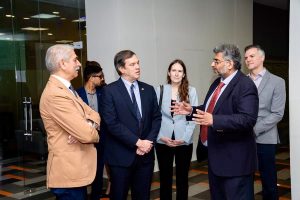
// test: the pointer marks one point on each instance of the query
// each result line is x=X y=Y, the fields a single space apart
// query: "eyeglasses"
x=217 y=62
x=99 y=76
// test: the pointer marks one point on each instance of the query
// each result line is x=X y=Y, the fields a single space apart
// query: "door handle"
x=27 y=117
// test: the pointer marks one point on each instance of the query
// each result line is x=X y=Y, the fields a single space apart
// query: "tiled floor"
x=13 y=171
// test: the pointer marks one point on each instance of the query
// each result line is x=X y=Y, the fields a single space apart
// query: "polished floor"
x=17 y=172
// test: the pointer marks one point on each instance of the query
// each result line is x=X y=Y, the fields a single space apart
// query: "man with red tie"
x=227 y=118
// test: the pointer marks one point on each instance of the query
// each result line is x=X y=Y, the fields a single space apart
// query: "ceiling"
x=282 y=4
x=69 y=3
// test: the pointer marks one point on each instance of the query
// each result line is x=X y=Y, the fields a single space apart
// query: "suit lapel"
x=263 y=82
x=98 y=92
x=143 y=98
x=227 y=91
x=68 y=93
x=84 y=97
x=124 y=93
x=60 y=85
x=211 y=90
x=167 y=98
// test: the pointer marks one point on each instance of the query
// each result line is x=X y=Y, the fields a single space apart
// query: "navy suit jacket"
x=82 y=93
x=231 y=141
x=123 y=127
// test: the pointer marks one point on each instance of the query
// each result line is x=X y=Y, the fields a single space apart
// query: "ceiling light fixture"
x=34 y=29
x=64 y=41
x=10 y=16
x=44 y=16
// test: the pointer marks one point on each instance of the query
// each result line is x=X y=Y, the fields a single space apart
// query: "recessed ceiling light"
x=64 y=41
x=34 y=29
x=56 y=13
x=50 y=34
x=44 y=16
x=1 y=7
x=10 y=16
x=26 y=18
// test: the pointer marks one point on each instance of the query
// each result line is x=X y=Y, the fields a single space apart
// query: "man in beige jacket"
x=71 y=128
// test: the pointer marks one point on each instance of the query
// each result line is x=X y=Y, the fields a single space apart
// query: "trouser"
x=231 y=188
x=165 y=158
x=78 y=193
x=138 y=176
x=267 y=169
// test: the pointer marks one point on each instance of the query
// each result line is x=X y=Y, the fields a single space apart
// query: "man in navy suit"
x=91 y=93
x=133 y=118
x=230 y=138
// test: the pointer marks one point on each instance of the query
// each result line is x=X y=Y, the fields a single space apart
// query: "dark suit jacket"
x=231 y=141
x=82 y=93
x=103 y=129
x=122 y=123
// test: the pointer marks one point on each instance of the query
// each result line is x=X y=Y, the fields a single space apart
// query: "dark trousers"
x=138 y=177
x=231 y=188
x=165 y=158
x=97 y=184
x=79 y=193
x=267 y=169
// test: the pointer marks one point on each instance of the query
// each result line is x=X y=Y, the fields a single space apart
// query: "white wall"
x=294 y=98
x=159 y=31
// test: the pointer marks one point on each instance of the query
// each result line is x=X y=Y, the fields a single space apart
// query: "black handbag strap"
x=161 y=96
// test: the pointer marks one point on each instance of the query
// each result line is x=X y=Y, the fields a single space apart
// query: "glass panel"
x=28 y=28
x=8 y=85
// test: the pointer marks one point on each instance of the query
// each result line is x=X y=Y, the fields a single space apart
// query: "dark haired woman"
x=175 y=138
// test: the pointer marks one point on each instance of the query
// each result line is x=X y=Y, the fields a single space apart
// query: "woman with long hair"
x=175 y=138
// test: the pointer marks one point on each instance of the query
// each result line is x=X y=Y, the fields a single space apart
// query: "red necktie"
x=210 y=108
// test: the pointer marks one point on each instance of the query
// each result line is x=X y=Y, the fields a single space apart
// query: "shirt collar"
x=260 y=74
x=128 y=84
x=229 y=78
x=64 y=81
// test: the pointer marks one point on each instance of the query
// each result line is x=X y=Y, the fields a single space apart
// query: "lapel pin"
x=142 y=89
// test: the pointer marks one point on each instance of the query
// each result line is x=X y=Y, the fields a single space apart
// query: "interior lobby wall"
x=161 y=31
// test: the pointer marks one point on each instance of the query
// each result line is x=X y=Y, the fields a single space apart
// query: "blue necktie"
x=135 y=105
x=73 y=90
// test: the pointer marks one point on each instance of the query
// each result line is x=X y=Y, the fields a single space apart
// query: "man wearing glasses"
x=91 y=93
x=227 y=118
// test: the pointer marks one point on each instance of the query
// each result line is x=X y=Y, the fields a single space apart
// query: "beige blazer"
x=63 y=114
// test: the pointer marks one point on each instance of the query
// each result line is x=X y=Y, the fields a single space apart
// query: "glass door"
x=23 y=138
x=28 y=28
